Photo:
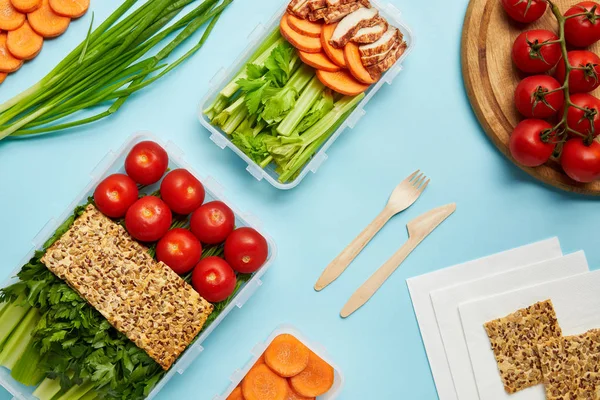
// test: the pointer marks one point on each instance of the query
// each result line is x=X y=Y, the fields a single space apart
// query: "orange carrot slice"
x=287 y=356
x=336 y=55
x=26 y=6
x=342 y=82
x=295 y=396
x=24 y=43
x=46 y=22
x=236 y=394
x=263 y=384
x=8 y=63
x=299 y=41
x=315 y=380
x=70 y=8
x=10 y=17
x=318 y=61
x=355 y=65
x=3 y=76
x=304 y=27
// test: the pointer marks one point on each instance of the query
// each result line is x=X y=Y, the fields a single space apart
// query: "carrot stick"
x=26 y=6
x=24 y=43
x=315 y=380
x=342 y=82
x=46 y=22
x=295 y=396
x=236 y=394
x=8 y=63
x=10 y=18
x=287 y=356
x=3 y=76
x=263 y=384
x=355 y=64
x=70 y=8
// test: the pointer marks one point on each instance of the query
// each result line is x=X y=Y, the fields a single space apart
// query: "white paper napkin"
x=421 y=286
x=446 y=302
x=577 y=304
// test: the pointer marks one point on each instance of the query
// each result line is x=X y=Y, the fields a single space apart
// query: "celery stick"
x=307 y=99
x=91 y=395
x=3 y=307
x=77 y=392
x=223 y=117
x=19 y=340
x=47 y=389
x=27 y=370
x=12 y=315
x=272 y=38
x=235 y=120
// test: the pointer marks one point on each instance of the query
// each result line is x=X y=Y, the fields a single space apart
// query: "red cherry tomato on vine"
x=213 y=222
x=581 y=162
x=584 y=30
x=246 y=250
x=148 y=219
x=585 y=76
x=180 y=250
x=146 y=163
x=579 y=119
x=526 y=144
x=115 y=194
x=539 y=96
x=532 y=54
x=214 y=279
x=525 y=11
x=182 y=191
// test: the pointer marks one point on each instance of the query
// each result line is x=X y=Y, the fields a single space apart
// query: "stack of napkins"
x=453 y=305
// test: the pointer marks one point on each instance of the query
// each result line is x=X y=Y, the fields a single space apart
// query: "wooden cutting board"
x=491 y=78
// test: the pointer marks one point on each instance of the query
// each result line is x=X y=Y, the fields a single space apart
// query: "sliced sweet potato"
x=10 y=17
x=8 y=62
x=304 y=27
x=315 y=380
x=295 y=396
x=301 y=42
x=3 y=76
x=26 y=6
x=319 y=61
x=263 y=384
x=355 y=65
x=287 y=356
x=342 y=82
x=335 y=55
x=236 y=394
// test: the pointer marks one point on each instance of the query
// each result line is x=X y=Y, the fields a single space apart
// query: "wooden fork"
x=404 y=196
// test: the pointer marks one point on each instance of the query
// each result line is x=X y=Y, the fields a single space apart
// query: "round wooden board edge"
x=546 y=174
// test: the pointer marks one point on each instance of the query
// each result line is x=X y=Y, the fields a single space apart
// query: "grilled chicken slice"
x=386 y=42
x=393 y=56
x=314 y=5
x=351 y=24
x=371 y=34
x=377 y=58
x=333 y=3
x=334 y=14
x=299 y=8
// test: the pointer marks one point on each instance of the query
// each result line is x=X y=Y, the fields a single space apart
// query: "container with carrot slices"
x=287 y=366
x=303 y=82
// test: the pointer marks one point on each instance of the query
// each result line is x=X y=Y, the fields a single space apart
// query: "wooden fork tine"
x=424 y=186
x=410 y=178
x=415 y=182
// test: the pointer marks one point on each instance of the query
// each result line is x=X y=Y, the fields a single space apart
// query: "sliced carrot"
x=318 y=61
x=315 y=380
x=295 y=396
x=26 y=6
x=342 y=82
x=3 y=76
x=299 y=41
x=46 y=22
x=355 y=65
x=236 y=394
x=287 y=356
x=10 y=17
x=263 y=384
x=261 y=360
x=70 y=8
x=8 y=63
x=336 y=55
x=24 y=43
x=305 y=27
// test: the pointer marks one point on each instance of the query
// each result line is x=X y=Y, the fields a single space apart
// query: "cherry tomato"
x=182 y=191
x=581 y=162
x=180 y=250
x=586 y=78
x=525 y=11
x=148 y=219
x=534 y=100
x=246 y=250
x=578 y=119
x=146 y=163
x=115 y=194
x=532 y=54
x=213 y=222
x=214 y=279
x=526 y=144
x=584 y=30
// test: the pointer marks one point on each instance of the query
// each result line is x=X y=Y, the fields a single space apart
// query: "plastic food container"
x=113 y=163
x=260 y=33
x=260 y=348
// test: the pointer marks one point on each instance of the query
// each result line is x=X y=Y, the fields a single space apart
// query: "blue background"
x=423 y=121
